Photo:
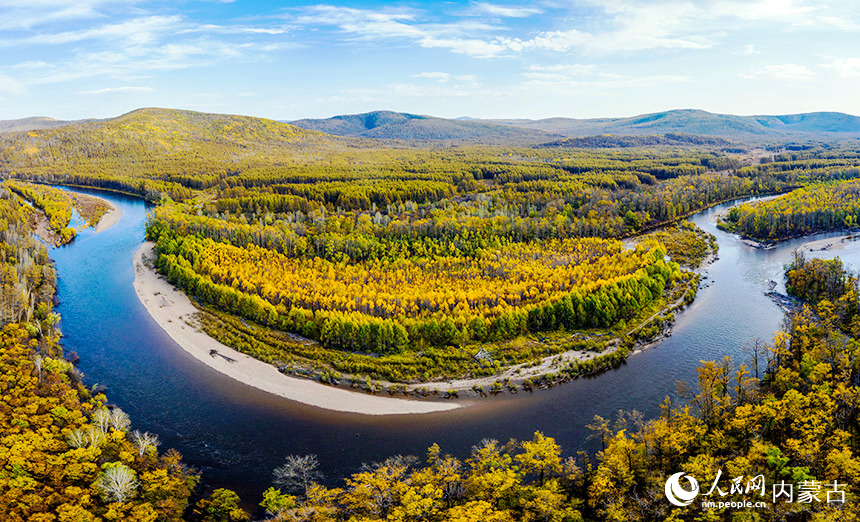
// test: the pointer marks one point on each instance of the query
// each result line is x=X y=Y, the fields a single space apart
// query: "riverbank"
x=110 y=218
x=176 y=315
x=831 y=243
x=816 y=245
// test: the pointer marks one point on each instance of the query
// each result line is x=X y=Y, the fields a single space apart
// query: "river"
x=236 y=434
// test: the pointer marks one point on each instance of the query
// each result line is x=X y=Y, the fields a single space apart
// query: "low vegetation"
x=686 y=244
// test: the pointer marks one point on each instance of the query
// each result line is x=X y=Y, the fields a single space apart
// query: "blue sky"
x=288 y=60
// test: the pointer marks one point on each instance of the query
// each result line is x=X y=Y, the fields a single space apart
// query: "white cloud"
x=788 y=71
x=845 y=67
x=841 y=23
x=237 y=29
x=25 y=14
x=571 y=78
x=369 y=25
x=762 y=9
x=471 y=47
x=616 y=25
x=441 y=76
x=130 y=61
x=576 y=68
x=501 y=10
x=626 y=26
x=376 y=23
x=125 y=89
x=137 y=31
x=10 y=86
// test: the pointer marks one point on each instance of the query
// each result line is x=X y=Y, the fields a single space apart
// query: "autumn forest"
x=394 y=268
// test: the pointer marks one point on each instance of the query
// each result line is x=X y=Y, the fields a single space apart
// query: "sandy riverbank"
x=829 y=243
x=110 y=218
x=173 y=311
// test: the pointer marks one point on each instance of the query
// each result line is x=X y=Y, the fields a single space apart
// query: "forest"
x=401 y=263
x=66 y=453
x=57 y=206
x=397 y=262
x=819 y=207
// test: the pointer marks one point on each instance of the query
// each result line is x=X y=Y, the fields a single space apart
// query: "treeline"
x=27 y=278
x=153 y=191
x=820 y=207
x=537 y=210
x=384 y=307
x=608 y=141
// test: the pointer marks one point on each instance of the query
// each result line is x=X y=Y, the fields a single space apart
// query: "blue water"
x=236 y=434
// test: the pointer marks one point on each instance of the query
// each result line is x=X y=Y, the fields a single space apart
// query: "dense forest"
x=66 y=453
x=69 y=455
x=820 y=207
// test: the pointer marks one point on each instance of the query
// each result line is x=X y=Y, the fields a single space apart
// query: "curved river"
x=236 y=434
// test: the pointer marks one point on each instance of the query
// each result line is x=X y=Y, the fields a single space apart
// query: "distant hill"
x=414 y=127
x=156 y=131
x=34 y=123
x=174 y=146
x=688 y=122
x=815 y=125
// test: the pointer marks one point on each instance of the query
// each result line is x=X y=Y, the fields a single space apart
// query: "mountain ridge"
x=409 y=127
x=699 y=122
x=416 y=127
x=36 y=123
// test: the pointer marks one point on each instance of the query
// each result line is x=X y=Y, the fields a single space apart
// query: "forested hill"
x=814 y=125
x=170 y=150
x=165 y=130
x=404 y=126
x=34 y=123
x=823 y=126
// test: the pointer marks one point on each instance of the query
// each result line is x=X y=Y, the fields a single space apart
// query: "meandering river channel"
x=236 y=434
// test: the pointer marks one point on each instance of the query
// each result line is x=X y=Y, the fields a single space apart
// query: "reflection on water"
x=236 y=434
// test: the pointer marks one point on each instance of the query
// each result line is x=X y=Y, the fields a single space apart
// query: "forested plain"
x=402 y=262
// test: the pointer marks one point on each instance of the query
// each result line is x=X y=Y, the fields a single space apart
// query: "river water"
x=236 y=434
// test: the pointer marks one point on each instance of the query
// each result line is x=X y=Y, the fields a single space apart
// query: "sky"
x=72 y=59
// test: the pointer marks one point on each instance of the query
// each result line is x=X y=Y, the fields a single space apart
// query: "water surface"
x=236 y=434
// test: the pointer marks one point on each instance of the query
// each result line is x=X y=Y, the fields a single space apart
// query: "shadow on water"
x=237 y=434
